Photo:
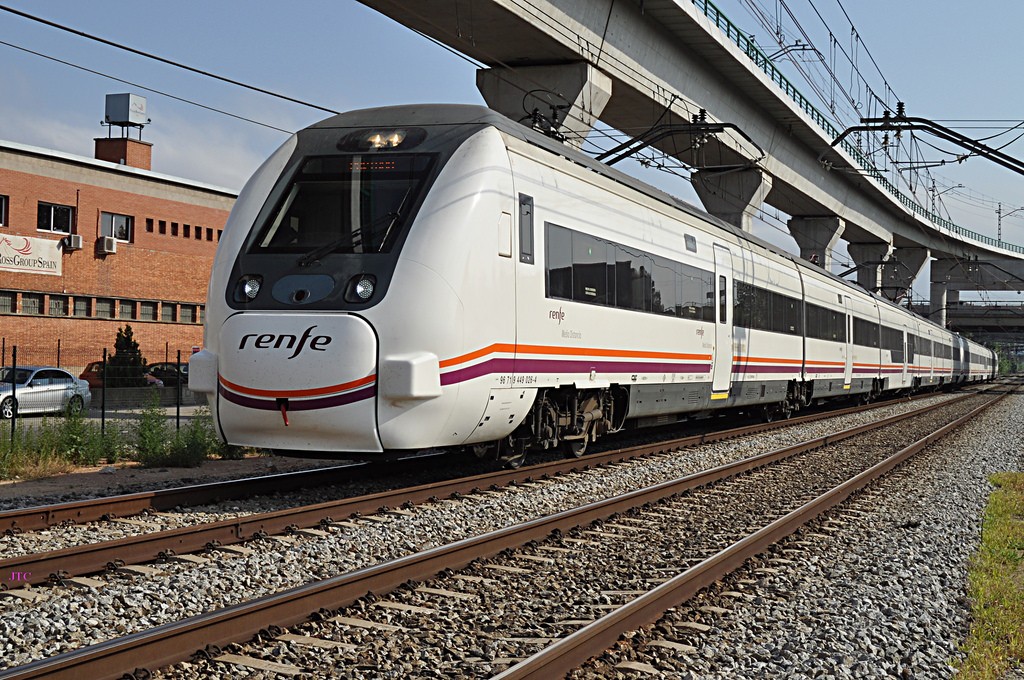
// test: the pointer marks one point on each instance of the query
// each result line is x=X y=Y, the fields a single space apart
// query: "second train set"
x=432 y=277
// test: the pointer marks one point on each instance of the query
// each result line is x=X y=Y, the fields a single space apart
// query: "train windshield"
x=344 y=204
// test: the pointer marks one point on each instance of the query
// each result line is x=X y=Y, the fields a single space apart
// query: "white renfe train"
x=427 y=277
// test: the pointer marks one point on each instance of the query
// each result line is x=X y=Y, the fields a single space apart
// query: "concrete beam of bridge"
x=667 y=61
x=573 y=97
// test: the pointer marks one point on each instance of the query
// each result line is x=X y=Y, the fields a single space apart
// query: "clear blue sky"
x=947 y=59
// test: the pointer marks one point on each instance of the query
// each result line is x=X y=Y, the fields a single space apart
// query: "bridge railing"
x=761 y=60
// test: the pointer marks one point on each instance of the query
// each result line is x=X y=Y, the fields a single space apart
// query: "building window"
x=147 y=311
x=149 y=225
x=219 y=232
x=7 y=302
x=188 y=314
x=118 y=226
x=167 y=311
x=31 y=303
x=105 y=308
x=126 y=309
x=58 y=305
x=209 y=234
x=199 y=232
x=55 y=218
x=163 y=227
x=4 y=201
x=174 y=228
x=202 y=314
x=188 y=230
x=81 y=306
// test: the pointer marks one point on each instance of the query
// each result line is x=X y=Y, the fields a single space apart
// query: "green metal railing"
x=761 y=60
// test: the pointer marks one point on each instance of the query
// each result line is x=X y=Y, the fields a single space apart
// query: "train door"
x=721 y=371
x=848 y=348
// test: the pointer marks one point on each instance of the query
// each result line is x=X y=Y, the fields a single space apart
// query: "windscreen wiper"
x=318 y=252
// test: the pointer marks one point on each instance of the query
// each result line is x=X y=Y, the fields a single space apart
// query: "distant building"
x=88 y=245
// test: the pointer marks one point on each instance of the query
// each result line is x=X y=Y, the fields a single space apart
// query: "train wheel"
x=483 y=450
x=512 y=453
x=574 y=448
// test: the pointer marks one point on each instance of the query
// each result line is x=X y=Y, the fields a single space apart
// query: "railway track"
x=242 y=620
x=152 y=541
x=123 y=506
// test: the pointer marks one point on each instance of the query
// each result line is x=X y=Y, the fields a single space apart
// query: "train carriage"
x=437 y=277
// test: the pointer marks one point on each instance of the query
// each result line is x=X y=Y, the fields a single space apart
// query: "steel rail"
x=570 y=652
x=176 y=641
x=126 y=505
x=53 y=566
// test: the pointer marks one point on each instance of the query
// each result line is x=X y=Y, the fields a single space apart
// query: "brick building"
x=88 y=245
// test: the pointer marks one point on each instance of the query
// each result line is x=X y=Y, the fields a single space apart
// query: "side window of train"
x=585 y=268
x=723 y=299
x=526 y=229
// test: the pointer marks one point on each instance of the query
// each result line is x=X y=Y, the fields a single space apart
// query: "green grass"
x=54 y=446
x=996 y=640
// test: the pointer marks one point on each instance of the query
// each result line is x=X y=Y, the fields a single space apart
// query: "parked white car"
x=41 y=389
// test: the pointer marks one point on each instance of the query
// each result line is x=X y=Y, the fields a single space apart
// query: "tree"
x=126 y=366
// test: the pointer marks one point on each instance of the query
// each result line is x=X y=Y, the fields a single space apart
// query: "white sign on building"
x=30 y=255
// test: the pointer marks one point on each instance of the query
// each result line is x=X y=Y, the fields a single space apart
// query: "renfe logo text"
x=286 y=341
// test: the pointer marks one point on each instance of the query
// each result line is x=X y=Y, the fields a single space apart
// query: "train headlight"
x=248 y=288
x=361 y=288
x=387 y=140
x=382 y=139
x=364 y=289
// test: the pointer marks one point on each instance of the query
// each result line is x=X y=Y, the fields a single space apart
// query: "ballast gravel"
x=813 y=625
x=877 y=591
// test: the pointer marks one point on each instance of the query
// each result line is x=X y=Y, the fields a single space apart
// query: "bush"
x=195 y=442
x=152 y=436
x=187 y=447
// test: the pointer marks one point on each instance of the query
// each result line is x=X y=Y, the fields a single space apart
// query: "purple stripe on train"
x=299 y=404
x=520 y=366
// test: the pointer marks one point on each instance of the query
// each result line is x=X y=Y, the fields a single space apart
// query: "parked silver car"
x=41 y=389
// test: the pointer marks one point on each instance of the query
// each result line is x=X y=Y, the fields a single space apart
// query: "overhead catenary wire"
x=169 y=62
x=144 y=87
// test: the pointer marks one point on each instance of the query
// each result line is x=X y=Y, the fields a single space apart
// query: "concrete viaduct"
x=709 y=97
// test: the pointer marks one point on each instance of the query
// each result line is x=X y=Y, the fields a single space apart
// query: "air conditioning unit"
x=106 y=245
x=73 y=242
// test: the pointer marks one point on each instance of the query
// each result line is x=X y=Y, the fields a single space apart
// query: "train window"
x=695 y=293
x=559 y=262
x=526 y=229
x=723 y=299
x=865 y=333
x=761 y=309
x=632 y=276
x=344 y=204
x=690 y=242
x=664 y=273
x=589 y=269
x=786 y=314
x=892 y=340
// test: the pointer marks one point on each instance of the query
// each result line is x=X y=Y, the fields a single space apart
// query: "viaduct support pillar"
x=900 y=270
x=734 y=195
x=868 y=258
x=570 y=96
x=937 y=302
x=817 y=236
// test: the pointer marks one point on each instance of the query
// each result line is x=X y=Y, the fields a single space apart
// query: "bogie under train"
x=430 y=277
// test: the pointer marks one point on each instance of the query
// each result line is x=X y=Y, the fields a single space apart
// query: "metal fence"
x=113 y=388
